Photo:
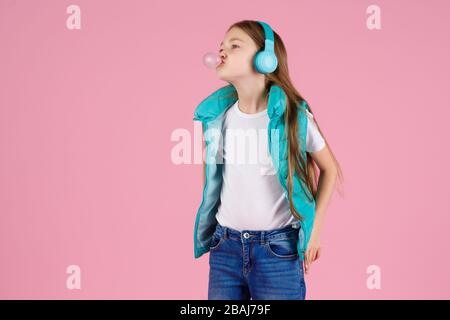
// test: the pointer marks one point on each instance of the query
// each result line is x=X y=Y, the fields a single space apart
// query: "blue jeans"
x=257 y=265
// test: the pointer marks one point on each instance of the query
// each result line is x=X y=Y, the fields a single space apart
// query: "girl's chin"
x=221 y=74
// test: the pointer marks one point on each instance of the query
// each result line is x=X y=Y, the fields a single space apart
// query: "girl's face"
x=236 y=51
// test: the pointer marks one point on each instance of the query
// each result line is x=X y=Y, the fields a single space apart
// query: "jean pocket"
x=216 y=241
x=283 y=248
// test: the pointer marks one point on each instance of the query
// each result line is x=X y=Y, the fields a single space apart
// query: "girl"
x=262 y=211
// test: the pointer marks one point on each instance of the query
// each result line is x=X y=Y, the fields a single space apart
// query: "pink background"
x=86 y=117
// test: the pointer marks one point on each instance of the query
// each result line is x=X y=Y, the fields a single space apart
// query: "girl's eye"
x=232 y=46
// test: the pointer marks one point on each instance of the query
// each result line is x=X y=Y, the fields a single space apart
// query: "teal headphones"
x=265 y=61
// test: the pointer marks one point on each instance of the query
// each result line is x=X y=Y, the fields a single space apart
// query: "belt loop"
x=225 y=234
x=262 y=237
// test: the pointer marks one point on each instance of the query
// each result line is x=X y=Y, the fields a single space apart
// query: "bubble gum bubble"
x=211 y=59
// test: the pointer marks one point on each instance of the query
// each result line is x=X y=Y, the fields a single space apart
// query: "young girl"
x=262 y=207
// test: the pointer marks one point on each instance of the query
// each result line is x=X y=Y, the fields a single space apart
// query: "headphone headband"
x=269 y=39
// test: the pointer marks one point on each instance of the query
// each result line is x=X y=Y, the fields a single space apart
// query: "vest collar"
x=218 y=101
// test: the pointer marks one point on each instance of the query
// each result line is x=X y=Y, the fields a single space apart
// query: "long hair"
x=281 y=78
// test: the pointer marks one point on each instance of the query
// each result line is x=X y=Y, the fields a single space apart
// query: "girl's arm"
x=325 y=187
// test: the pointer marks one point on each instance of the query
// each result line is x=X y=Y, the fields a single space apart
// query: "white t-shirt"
x=252 y=197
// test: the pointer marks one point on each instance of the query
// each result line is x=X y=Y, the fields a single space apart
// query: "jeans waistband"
x=287 y=232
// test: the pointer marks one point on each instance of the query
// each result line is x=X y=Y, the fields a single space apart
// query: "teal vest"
x=211 y=113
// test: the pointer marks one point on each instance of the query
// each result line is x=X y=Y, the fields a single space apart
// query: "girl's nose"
x=222 y=55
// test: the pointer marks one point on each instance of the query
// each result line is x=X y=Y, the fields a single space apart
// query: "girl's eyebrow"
x=232 y=40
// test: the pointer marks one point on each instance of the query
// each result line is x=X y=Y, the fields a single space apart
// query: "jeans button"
x=246 y=235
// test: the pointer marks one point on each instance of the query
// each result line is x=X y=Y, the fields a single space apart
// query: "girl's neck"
x=251 y=96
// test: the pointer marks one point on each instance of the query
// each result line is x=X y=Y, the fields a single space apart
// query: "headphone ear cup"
x=265 y=62
x=257 y=63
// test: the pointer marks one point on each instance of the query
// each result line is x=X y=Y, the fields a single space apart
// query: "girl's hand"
x=312 y=252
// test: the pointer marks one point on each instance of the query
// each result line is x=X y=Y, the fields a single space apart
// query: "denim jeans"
x=256 y=265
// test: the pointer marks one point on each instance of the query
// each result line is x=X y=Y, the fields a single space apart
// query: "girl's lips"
x=221 y=63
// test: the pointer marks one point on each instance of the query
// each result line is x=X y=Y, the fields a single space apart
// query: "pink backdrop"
x=86 y=117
